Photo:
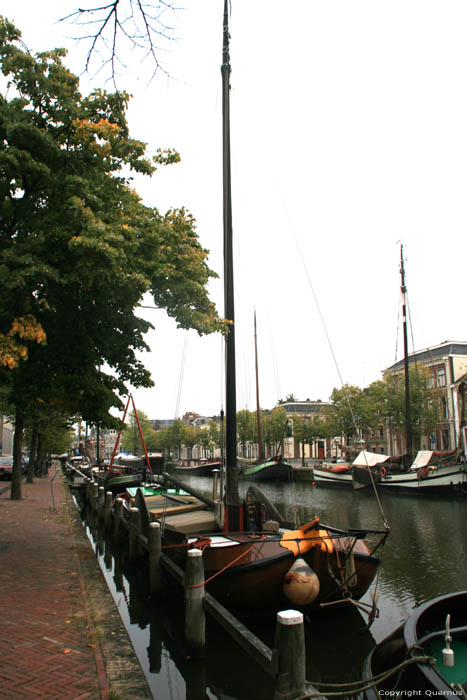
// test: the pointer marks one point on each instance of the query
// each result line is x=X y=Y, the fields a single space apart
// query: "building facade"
x=446 y=365
x=293 y=449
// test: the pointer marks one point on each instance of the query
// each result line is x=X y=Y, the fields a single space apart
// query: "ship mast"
x=258 y=415
x=408 y=422
x=232 y=498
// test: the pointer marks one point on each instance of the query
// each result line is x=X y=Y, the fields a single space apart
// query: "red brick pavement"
x=46 y=645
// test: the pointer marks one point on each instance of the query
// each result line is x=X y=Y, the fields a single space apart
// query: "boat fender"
x=383 y=471
x=300 y=584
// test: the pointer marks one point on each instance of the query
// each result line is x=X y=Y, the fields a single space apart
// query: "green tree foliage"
x=307 y=430
x=426 y=404
x=246 y=428
x=131 y=439
x=274 y=427
x=351 y=414
x=78 y=249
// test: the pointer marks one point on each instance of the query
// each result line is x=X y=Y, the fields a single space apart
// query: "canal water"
x=424 y=556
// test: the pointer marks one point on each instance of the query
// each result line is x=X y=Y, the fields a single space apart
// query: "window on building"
x=441 y=376
x=430 y=382
x=443 y=408
x=444 y=438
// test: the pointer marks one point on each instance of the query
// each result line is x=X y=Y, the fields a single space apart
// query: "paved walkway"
x=52 y=644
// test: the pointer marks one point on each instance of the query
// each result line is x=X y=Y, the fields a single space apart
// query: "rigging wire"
x=346 y=396
x=180 y=381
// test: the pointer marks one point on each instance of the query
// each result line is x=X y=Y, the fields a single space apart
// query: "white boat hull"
x=438 y=479
x=324 y=476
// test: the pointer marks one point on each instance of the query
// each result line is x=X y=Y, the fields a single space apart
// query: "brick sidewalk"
x=50 y=644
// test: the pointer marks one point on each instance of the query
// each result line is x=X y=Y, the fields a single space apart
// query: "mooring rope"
x=356 y=687
x=234 y=561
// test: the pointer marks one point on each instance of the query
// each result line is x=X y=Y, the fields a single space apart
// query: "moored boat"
x=332 y=474
x=274 y=469
x=198 y=467
x=430 y=472
x=429 y=653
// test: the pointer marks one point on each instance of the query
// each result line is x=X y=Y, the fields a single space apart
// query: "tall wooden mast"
x=408 y=422
x=258 y=414
x=232 y=498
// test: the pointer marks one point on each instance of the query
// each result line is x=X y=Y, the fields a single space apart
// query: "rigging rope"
x=346 y=396
x=180 y=381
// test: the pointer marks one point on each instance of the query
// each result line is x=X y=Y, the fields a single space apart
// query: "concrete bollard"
x=290 y=648
x=108 y=498
x=118 y=515
x=154 y=556
x=195 y=618
x=133 y=548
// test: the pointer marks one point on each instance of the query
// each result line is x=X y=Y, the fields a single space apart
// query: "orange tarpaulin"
x=308 y=536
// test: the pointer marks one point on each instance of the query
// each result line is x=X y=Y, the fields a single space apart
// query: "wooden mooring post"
x=94 y=496
x=108 y=509
x=290 y=649
x=154 y=555
x=100 y=502
x=118 y=515
x=133 y=543
x=195 y=618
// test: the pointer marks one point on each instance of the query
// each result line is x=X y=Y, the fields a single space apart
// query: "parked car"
x=6 y=467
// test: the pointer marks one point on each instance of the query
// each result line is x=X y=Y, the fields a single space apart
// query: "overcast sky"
x=349 y=136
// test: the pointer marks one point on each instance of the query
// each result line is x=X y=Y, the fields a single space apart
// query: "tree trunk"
x=17 y=456
x=32 y=456
x=40 y=462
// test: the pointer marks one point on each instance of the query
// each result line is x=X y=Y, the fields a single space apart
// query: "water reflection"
x=424 y=556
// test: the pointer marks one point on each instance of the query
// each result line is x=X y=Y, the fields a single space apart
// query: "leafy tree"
x=274 y=429
x=351 y=413
x=78 y=249
x=177 y=435
x=425 y=403
x=190 y=438
x=204 y=440
x=246 y=428
x=307 y=430
x=131 y=439
x=215 y=436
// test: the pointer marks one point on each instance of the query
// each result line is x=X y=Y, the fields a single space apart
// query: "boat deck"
x=185 y=514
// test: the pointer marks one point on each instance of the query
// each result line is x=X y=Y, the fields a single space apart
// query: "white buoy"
x=301 y=584
x=448 y=654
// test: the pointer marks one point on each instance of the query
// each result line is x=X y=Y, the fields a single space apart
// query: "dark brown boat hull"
x=253 y=571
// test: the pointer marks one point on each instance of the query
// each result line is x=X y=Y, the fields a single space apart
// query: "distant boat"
x=431 y=650
x=198 y=467
x=426 y=472
x=430 y=472
x=274 y=469
x=332 y=474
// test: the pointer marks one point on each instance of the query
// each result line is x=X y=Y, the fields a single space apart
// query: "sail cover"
x=421 y=460
x=369 y=459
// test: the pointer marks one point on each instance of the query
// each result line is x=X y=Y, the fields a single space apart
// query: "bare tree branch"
x=112 y=28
